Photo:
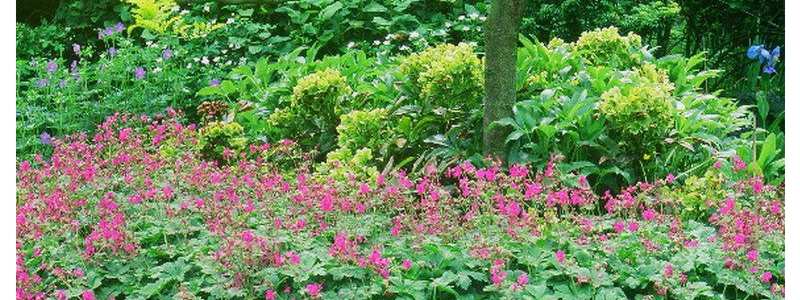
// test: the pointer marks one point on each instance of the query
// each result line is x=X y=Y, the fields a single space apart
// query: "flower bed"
x=135 y=211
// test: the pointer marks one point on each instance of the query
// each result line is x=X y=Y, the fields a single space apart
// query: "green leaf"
x=767 y=151
x=375 y=7
x=330 y=10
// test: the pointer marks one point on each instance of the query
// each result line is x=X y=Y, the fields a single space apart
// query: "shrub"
x=642 y=111
x=607 y=47
x=320 y=93
x=218 y=138
x=449 y=76
x=363 y=129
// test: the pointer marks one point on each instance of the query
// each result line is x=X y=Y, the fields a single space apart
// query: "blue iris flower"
x=765 y=57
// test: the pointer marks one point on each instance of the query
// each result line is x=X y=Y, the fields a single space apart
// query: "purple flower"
x=52 y=66
x=46 y=139
x=139 y=73
x=62 y=83
x=119 y=27
x=112 y=51
x=213 y=82
x=42 y=82
x=73 y=67
x=166 y=54
x=76 y=48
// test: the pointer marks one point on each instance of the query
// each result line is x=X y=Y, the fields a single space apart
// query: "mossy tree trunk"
x=502 y=27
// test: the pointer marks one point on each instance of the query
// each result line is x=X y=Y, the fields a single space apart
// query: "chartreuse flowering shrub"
x=217 y=140
x=640 y=113
x=113 y=215
x=321 y=92
x=607 y=47
x=447 y=76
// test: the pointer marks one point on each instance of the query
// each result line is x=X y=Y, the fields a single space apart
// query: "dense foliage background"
x=338 y=145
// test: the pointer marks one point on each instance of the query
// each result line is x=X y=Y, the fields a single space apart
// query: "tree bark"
x=500 y=72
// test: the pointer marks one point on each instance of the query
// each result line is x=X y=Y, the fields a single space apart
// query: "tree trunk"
x=500 y=72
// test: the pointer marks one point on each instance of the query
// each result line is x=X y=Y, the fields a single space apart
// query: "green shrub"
x=343 y=162
x=216 y=137
x=321 y=92
x=642 y=111
x=363 y=129
x=607 y=47
x=446 y=76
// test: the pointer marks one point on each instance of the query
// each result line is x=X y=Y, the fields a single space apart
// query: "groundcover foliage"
x=135 y=211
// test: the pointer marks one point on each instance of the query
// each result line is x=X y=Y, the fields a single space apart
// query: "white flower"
x=474 y=16
x=466 y=28
x=228 y=63
x=196 y=59
x=230 y=45
x=184 y=12
x=176 y=8
x=448 y=24
x=189 y=66
x=477 y=29
x=404 y=48
x=224 y=51
x=301 y=60
x=482 y=18
x=206 y=8
x=230 y=21
x=216 y=59
x=350 y=45
x=204 y=60
x=156 y=70
x=376 y=42
x=386 y=42
x=461 y=17
x=413 y=35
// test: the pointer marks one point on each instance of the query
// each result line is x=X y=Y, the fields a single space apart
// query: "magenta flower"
x=766 y=277
x=247 y=236
x=560 y=256
x=89 y=295
x=619 y=226
x=522 y=279
x=649 y=214
x=270 y=295
x=313 y=289
x=752 y=255
x=633 y=226
x=406 y=264
x=670 y=178
x=668 y=270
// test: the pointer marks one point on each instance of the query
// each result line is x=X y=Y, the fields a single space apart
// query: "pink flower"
x=758 y=186
x=718 y=164
x=247 y=236
x=61 y=295
x=752 y=255
x=560 y=256
x=649 y=214
x=738 y=163
x=522 y=279
x=670 y=178
x=89 y=295
x=633 y=226
x=619 y=226
x=766 y=277
x=406 y=264
x=531 y=190
x=313 y=289
x=498 y=277
x=518 y=171
x=293 y=257
x=668 y=270
x=270 y=295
